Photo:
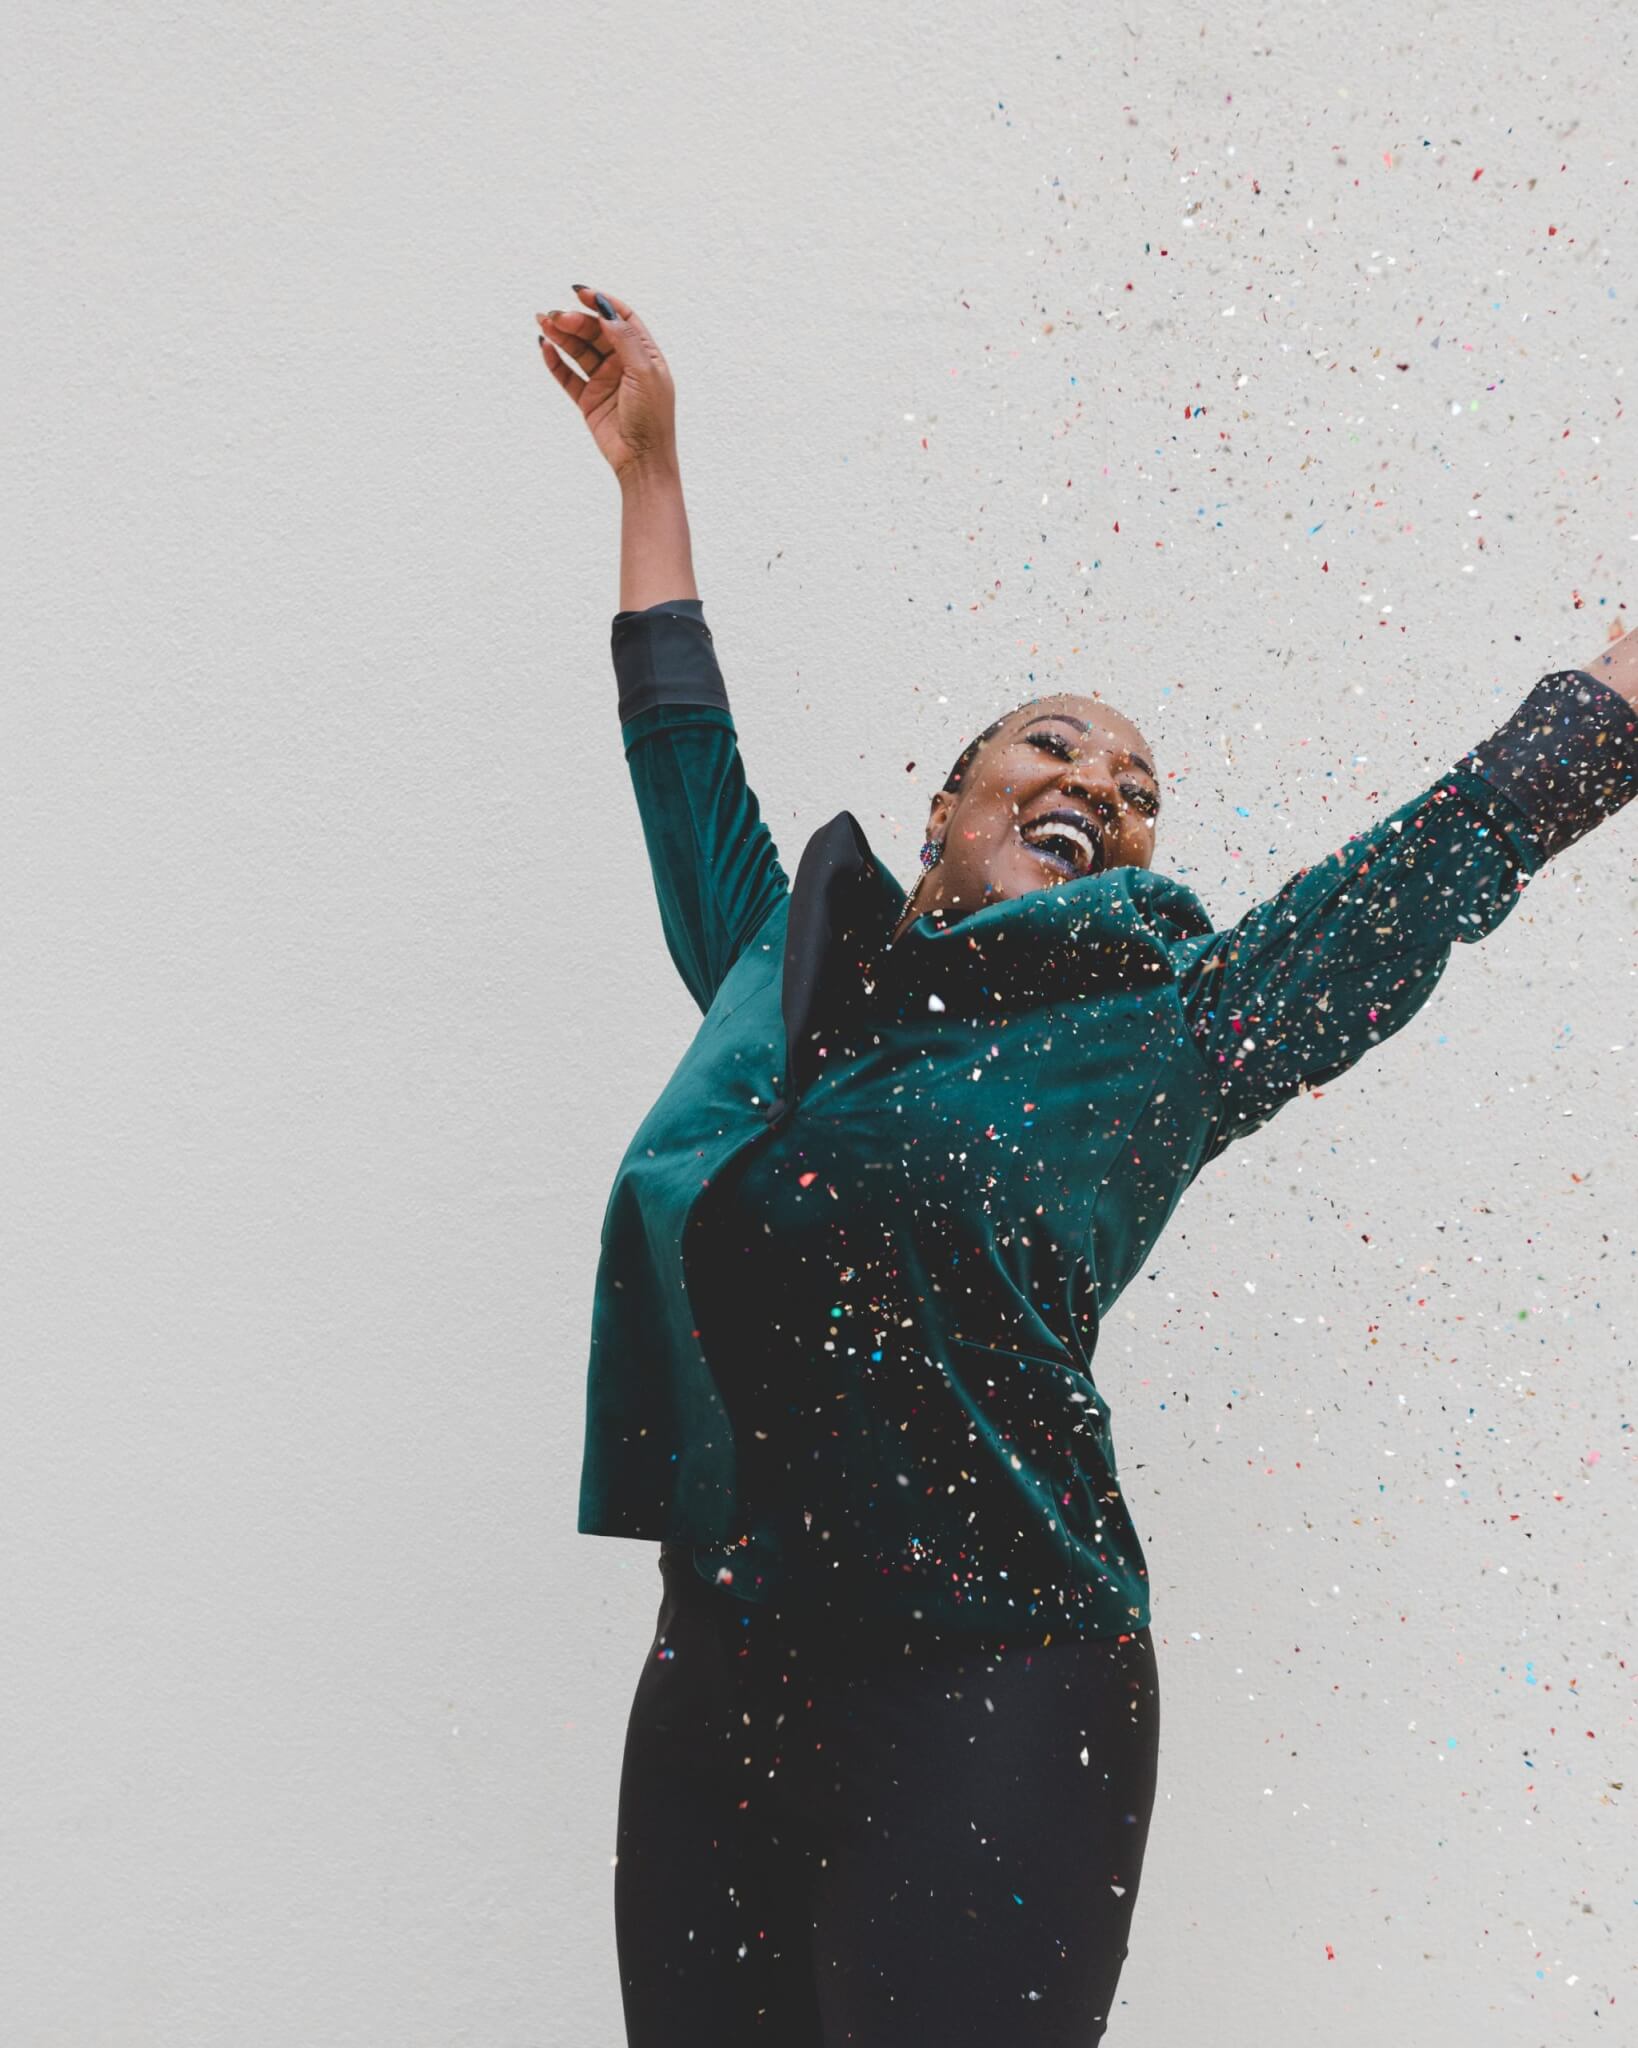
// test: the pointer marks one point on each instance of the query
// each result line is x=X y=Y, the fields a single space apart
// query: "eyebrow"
x=1063 y=718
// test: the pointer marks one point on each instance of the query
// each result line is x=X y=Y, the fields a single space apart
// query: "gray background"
x=320 y=1049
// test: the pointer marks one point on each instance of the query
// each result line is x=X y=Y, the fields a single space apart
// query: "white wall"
x=318 y=1055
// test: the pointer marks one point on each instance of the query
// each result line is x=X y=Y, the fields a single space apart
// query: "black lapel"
x=840 y=894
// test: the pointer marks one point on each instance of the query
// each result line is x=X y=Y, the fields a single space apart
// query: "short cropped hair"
x=952 y=781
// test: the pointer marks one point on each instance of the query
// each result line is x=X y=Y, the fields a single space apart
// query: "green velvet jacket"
x=857 y=1255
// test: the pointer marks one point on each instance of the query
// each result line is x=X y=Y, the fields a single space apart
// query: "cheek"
x=992 y=856
x=981 y=839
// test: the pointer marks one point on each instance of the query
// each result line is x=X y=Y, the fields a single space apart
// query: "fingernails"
x=577 y=287
x=604 y=307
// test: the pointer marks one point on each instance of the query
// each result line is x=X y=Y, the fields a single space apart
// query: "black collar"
x=843 y=910
x=1103 y=933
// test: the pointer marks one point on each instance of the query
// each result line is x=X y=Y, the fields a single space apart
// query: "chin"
x=1039 y=877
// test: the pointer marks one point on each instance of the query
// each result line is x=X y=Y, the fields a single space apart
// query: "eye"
x=1057 y=745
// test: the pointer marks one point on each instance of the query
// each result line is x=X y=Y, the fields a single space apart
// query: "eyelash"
x=1062 y=749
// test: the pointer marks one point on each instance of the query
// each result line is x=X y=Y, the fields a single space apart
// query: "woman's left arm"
x=1347 y=952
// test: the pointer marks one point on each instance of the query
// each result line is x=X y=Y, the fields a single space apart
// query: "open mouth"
x=1060 y=841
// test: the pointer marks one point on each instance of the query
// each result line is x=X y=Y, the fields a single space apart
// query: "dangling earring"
x=932 y=852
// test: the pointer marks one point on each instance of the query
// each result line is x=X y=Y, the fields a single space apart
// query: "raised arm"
x=716 y=870
x=1347 y=952
x=717 y=873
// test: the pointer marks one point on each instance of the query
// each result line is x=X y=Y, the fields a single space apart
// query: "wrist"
x=656 y=557
x=1617 y=665
x=647 y=475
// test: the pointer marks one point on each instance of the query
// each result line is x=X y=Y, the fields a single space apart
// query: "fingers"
x=589 y=339
x=589 y=297
x=615 y=333
x=570 y=380
x=579 y=335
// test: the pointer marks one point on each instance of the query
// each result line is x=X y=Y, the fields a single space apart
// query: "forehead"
x=1082 y=718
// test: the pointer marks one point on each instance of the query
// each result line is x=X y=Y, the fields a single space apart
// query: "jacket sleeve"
x=1347 y=952
x=716 y=871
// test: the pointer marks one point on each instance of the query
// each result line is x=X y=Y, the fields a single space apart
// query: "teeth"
x=1058 y=828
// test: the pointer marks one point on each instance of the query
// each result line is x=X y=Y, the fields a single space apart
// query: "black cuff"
x=663 y=655
x=1567 y=758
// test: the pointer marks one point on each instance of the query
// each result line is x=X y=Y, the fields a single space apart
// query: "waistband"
x=824 y=1611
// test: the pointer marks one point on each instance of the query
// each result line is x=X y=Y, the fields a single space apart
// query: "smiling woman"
x=1057 y=788
x=891 y=1755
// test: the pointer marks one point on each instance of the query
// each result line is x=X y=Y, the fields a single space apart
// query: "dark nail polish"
x=577 y=287
x=604 y=307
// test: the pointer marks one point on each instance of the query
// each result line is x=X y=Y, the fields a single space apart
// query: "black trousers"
x=823 y=1840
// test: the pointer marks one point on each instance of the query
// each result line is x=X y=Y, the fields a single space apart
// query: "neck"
x=914 y=910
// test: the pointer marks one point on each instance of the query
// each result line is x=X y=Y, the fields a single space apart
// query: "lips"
x=1063 y=841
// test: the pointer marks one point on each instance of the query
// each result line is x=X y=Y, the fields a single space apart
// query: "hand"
x=1617 y=662
x=625 y=396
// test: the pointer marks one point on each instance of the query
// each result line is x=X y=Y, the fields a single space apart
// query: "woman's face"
x=1065 y=788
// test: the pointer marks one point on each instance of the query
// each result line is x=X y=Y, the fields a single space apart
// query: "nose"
x=1093 y=779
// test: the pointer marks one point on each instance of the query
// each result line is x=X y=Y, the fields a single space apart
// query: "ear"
x=938 y=817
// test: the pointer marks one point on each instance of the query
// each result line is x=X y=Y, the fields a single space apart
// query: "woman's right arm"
x=717 y=873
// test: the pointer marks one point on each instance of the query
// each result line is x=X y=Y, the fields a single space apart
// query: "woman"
x=890 y=1763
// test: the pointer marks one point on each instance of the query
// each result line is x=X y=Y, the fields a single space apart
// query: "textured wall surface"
x=1264 y=369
